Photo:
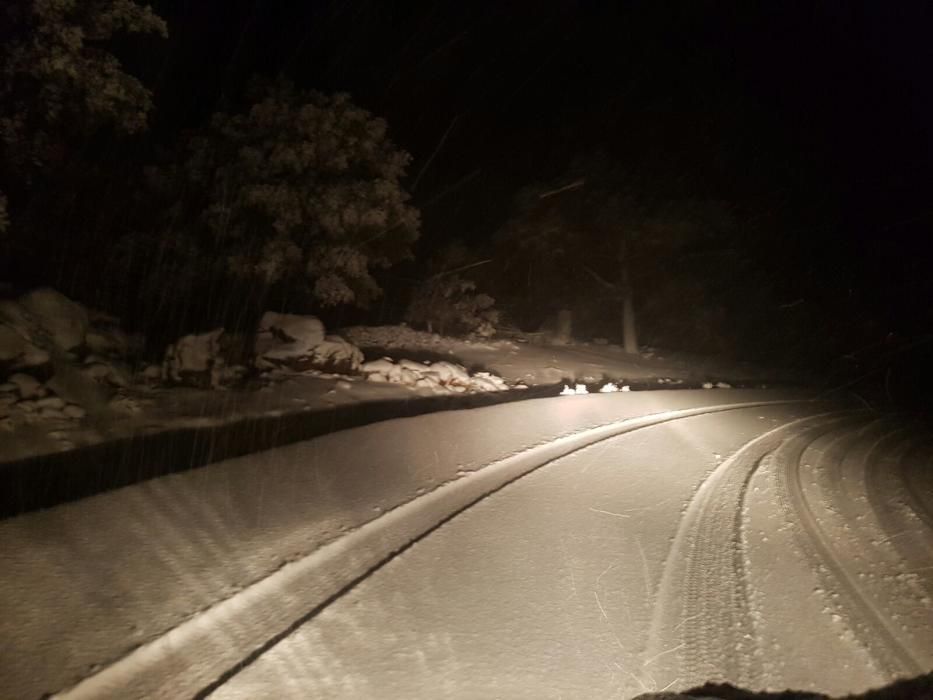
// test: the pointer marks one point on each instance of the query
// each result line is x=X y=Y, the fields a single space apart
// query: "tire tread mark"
x=891 y=653
x=703 y=589
x=325 y=575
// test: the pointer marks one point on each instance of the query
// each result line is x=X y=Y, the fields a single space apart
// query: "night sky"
x=819 y=109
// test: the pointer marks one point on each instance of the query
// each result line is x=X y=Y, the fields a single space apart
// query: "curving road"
x=753 y=546
x=594 y=546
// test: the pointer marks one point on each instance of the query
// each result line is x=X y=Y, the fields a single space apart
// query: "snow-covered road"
x=629 y=566
x=592 y=546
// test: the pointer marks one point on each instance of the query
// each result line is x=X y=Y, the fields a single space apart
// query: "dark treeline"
x=637 y=169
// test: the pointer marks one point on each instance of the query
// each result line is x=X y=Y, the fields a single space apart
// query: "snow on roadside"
x=70 y=377
x=438 y=377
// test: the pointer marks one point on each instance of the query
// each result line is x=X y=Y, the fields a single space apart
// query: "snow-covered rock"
x=16 y=351
x=150 y=375
x=287 y=336
x=106 y=371
x=63 y=320
x=299 y=343
x=36 y=324
x=27 y=387
x=108 y=341
x=192 y=358
x=440 y=377
x=575 y=391
x=336 y=355
x=484 y=381
x=73 y=411
x=449 y=374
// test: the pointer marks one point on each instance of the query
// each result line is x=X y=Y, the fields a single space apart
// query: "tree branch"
x=602 y=280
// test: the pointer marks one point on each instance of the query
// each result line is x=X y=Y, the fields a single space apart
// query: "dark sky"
x=823 y=109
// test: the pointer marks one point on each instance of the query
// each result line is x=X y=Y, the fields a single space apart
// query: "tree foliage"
x=58 y=77
x=301 y=191
x=587 y=240
x=60 y=85
x=447 y=301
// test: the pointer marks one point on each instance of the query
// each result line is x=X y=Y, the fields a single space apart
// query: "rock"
x=336 y=355
x=152 y=374
x=98 y=372
x=106 y=371
x=17 y=352
x=8 y=398
x=223 y=376
x=381 y=366
x=125 y=404
x=50 y=402
x=64 y=321
x=282 y=337
x=449 y=374
x=298 y=343
x=26 y=386
x=50 y=414
x=110 y=340
x=191 y=358
x=72 y=411
x=442 y=377
x=27 y=406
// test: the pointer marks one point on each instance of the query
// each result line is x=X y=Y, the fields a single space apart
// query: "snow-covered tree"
x=60 y=85
x=599 y=242
x=58 y=78
x=448 y=301
x=300 y=191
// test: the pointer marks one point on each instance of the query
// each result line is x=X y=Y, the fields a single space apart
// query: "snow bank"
x=439 y=377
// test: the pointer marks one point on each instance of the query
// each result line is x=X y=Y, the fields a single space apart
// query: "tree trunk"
x=629 y=333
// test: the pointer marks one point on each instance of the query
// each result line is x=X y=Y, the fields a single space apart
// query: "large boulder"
x=284 y=337
x=62 y=320
x=335 y=355
x=16 y=350
x=299 y=343
x=194 y=359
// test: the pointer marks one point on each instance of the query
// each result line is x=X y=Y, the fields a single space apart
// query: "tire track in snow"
x=917 y=476
x=893 y=504
x=874 y=629
x=702 y=628
x=206 y=651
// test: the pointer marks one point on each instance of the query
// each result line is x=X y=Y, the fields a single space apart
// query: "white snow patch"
x=577 y=390
x=192 y=354
x=437 y=377
x=287 y=336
